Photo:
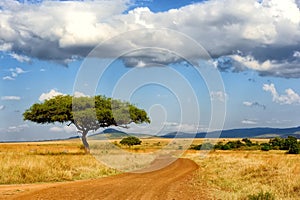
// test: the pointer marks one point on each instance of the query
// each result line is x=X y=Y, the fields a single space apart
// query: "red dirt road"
x=172 y=182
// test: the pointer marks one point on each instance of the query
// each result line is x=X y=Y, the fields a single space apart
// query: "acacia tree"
x=86 y=113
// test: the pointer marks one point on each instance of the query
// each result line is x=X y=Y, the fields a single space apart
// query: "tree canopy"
x=86 y=113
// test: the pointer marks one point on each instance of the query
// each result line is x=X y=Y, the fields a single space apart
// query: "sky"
x=192 y=65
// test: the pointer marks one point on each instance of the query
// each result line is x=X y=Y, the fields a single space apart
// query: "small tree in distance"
x=86 y=113
x=130 y=141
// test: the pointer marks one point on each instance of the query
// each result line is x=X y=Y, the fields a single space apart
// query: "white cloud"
x=14 y=73
x=290 y=96
x=65 y=30
x=66 y=129
x=20 y=58
x=19 y=70
x=283 y=9
x=296 y=54
x=6 y=47
x=17 y=98
x=56 y=129
x=52 y=93
x=59 y=26
x=16 y=128
x=79 y=94
x=8 y=78
x=247 y=121
x=247 y=103
x=251 y=63
x=2 y=107
x=218 y=96
x=254 y=104
x=287 y=67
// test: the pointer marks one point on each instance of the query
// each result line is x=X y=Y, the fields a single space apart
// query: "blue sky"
x=248 y=53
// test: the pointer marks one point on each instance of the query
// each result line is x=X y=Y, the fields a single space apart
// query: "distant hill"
x=111 y=130
x=108 y=133
x=113 y=133
x=241 y=133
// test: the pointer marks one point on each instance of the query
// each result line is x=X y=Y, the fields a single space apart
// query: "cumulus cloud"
x=254 y=104
x=290 y=96
x=62 y=30
x=52 y=93
x=287 y=68
x=79 y=94
x=11 y=98
x=268 y=31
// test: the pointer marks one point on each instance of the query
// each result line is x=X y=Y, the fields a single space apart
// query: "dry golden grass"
x=151 y=145
x=48 y=162
x=54 y=161
x=237 y=174
x=226 y=174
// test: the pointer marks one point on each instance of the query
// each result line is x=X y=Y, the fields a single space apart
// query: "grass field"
x=48 y=162
x=225 y=174
x=238 y=174
x=57 y=161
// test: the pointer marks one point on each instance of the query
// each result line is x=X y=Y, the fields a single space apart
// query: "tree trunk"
x=85 y=143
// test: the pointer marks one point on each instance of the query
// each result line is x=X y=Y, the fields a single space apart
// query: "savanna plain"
x=222 y=174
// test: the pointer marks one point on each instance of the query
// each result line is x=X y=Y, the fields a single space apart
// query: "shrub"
x=294 y=149
x=277 y=143
x=207 y=146
x=204 y=146
x=218 y=145
x=291 y=144
x=235 y=144
x=247 y=142
x=196 y=147
x=225 y=147
x=130 y=141
x=265 y=147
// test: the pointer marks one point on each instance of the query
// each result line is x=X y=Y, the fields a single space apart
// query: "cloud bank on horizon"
x=258 y=35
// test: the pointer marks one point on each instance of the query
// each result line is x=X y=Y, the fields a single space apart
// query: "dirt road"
x=172 y=182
